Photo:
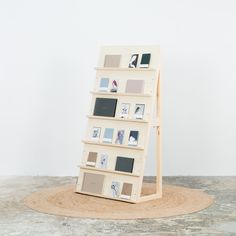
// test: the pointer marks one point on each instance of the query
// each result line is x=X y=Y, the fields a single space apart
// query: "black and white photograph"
x=133 y=138
x=139 y=111
x=133 y=61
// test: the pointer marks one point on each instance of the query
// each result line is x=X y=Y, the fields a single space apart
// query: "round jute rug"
x=65 y=202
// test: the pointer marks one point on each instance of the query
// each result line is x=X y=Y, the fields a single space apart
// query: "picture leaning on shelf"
x=105 y=107
x=124 y=110
x=92 y=159
x=124 y=164
x=112 y=60
x=114 y=86
x=145 y=60
x=133 y=138
x=120 y=137
x=93 y=183
x=134 y=86
x=115 y=189
x=133 y=61
x=103 y=160
x=104 y=84
x=139 y=111
x=95 y=136
x=108 y=135
x=126 y=191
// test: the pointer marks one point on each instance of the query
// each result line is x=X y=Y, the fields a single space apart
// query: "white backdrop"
x=48 y=50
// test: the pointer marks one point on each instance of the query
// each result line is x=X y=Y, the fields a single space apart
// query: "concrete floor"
x=17 y=219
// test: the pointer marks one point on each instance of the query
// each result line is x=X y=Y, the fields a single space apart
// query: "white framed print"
x=124 y=110
x=139 y=111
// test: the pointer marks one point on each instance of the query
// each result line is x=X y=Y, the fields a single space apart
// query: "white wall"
x=48 y=49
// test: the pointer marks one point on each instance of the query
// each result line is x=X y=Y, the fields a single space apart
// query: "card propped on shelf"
x=115 y=189
x=103 y=160
x=114 y=86
x=108 y=135
x=139 y=111
x=96 y=131
x=92 y=158
x=133 y=138
x=126 y=191
x=124 y=164
x=120 y=137
x=124 y=110
x=93 y=183
x=105 y=107
x=145 y=60
x=134 y=86
x=112 y=60
x=133 y=61
x=104 y=84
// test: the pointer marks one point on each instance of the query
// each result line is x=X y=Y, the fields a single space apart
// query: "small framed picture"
x=139 y=111
x=120 y=137
x=115 y=189
x=126 y=191
x=114 y=86
x=104 y=84
x=124 y=110
x=92 y=158
x=133 y=61
x=103 y=161
x=96 y=131
x=133 y=138
x=108 y=135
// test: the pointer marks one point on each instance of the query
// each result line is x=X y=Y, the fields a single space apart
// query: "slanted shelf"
x=125 y=106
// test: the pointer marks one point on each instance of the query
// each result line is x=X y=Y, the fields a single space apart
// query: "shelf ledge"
x=121 y=94
x=112 y=145
x=117 y=119
x=108 y=171
x=125 y=69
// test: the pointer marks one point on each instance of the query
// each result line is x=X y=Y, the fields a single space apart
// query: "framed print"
x=139 y=111
x=124 y=110
x=103 y=161
x=124 y=164
x=108 y=135
x=133 y=61
x=93 y=183
x=133 y=138
x=120 y=137
x=126 y=191
x=115 y=189
x=134 y=86
x=145 y=60
x=104 y=84
x=114 y=86
x=112 y=60
x=105 y=107
x=92 y=158
x=96 y=131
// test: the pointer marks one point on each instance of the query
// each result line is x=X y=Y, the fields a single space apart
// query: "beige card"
x=126 y=191
x=93 y=183
x=92 y=158
x=134 y=86
x=112 y=61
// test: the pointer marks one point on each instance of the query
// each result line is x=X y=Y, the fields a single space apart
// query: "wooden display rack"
x=151 y=118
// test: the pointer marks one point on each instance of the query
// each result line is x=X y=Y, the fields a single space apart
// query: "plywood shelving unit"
x=106 y=181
